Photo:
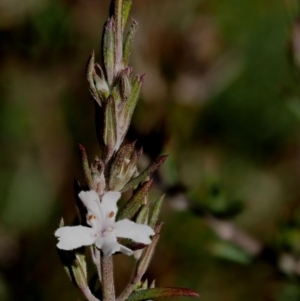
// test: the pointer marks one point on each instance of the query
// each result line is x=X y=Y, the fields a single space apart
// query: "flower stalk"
x=108 y=287
x=106 y=230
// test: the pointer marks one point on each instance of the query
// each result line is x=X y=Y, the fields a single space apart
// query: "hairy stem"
x=107 y=278
x=88 y=294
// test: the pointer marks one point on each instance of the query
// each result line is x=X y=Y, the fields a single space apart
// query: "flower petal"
x=137 y=232
x=125 y=250
x=99 y=242
x=91 y=201
x=110 y=245
x=74 y=237
x=109 y=205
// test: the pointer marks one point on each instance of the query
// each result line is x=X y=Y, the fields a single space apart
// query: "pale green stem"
x=108 y=286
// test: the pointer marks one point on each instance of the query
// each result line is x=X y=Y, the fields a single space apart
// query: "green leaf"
x=90 y=75
x=147 y=172
x=85 y=167
x=135 y=202
x=75 y=266
x=128 y=42
x=109 y=50
x=156 y=211
x=146 y=256
x=126 y=11
x=143 y=215
x=118 y=14
x=153 y=293
x=132 y=100
x=110 y=127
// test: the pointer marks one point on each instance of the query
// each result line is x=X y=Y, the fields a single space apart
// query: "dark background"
x=221 y=97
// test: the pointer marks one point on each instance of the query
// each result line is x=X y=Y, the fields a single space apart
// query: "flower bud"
x=123 y=166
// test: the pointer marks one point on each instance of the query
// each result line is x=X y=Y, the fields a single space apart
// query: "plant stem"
x=88 y=294
x=96 y=256
x=107 y=278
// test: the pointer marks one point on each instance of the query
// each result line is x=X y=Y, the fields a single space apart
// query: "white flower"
x=104 y=230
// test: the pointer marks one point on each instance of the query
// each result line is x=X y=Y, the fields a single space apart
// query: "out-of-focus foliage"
x=221 y=97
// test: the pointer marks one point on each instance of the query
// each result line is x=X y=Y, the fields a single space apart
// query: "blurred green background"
x=221 y=97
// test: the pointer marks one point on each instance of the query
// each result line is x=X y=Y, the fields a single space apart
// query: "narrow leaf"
x=153 y=293
x=135 y=202
x=80 y=256
x=126 y=11
x=132 y=101
x=80 y=207
x=147 y=172
x=146 y=257
x=109 y=50
x=152 y=285
x=143 y=215
x=128 y=41
x=73 y=267
x=156 y=211
x=118 y=14
x=63 y=255
x=85 y=167
x=144 y=285
x=90 y=74
x=110 y=127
